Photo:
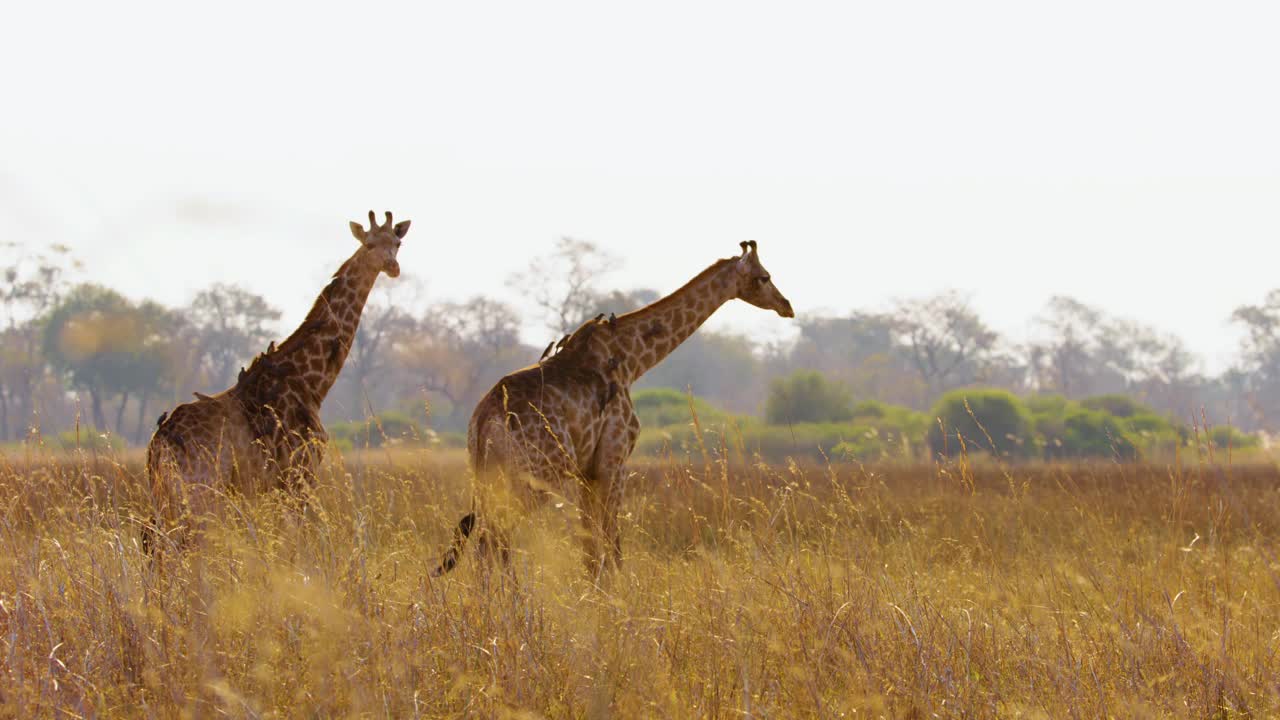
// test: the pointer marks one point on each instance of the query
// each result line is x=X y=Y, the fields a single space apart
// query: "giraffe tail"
x=460 y=535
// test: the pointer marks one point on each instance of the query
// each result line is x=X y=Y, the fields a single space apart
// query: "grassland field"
x=965 y=590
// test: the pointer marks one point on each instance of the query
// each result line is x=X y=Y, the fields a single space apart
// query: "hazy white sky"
x=1125 y=153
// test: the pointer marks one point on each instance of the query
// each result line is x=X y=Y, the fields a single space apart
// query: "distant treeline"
x=80 y=354
x=970 y=421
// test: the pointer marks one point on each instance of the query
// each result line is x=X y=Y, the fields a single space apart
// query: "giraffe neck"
x=644 y=337
x=315 y=353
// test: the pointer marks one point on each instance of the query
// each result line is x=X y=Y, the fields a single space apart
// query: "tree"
x=945 y=340
x=1064 y=358
x=1261 y=345
x=992 y=421
x=845 y=341
x=1097 y=434
x=230 y=325
x=1259 y=373
x=156 y=363
x=31 y=285
x=109 y=347
x=385 y=329
x=562 y=285
x=1139 y=354
x=91 y=336
x=1083 y=351
x=461 y=349
x=860 y=351
x=614 y=301
x=807 y=396
x=720 y=367
x=663 y=407
x=1121 y=406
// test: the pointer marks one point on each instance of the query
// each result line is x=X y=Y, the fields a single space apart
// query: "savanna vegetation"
x=969 y=421
x=80 y=357
x=968 y=588
x=897 y=513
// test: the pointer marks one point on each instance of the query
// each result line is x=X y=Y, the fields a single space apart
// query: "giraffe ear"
x=357 y=231
x=402 y=229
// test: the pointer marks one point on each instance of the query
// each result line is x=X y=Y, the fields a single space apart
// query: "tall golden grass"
x=748 y=590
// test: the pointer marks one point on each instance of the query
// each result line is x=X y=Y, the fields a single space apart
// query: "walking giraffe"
x=531 y=434
x=266 y=429
x=627 y=347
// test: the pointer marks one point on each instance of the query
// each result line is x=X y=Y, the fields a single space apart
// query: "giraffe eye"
x=762 y=279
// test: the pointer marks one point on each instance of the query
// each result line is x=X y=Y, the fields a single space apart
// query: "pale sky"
x=1124 y=153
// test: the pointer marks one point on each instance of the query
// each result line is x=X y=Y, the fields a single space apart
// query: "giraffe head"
x=381 y=243
x=756 y=286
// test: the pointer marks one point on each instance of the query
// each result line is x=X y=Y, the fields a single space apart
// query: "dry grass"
x=748 y=590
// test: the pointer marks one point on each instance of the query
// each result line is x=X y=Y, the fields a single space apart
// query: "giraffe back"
x=546 y=419
x=272 y=396
x=200 y=448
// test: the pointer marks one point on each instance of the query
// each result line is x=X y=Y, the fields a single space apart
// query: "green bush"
x=389 y=427
x=1152 y=434
x=1095 y=434
x=1046 y=405
x=892 y=418
x=667 y=406
x=451 y=439
x=807 y=396
x=1149 y=422
x=897 y=435
x=1105 y=426
x=987 y=420
x=871 y=410
x=89 y=439
x=1049 y=426
x=892 y=431
x=773 y=443
x=1121 y=406
x=1048 y=415
x=865 y=443
x=1224 y=436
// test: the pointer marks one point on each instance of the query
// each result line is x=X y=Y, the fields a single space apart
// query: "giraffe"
x=266 y=430
x=533 y=433
x=634 y=343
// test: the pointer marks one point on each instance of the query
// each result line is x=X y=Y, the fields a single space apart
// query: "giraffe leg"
x=162 y=474
x=595 y=526
x=182 y=498
x=606 y=490
x=199 y=504
x=612 y=535
x=602 y=539
x=540 y=465
x=519 y=466
x=493 y=545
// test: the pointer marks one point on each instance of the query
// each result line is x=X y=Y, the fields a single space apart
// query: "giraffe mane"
x=264 y=363
x=318 y=315
x=574 y=346
x=673 y=297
